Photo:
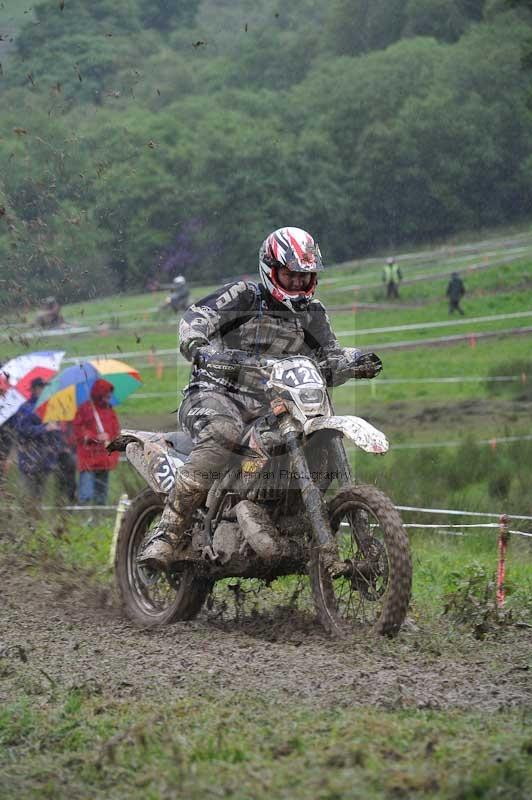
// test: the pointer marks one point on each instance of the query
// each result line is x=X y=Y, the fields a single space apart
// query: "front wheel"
x=149 y=597
x=371 y=582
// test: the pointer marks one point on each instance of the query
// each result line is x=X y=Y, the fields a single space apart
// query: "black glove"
x=351 y=363
x=226 y=363
x=201 y=354
x=367 y=365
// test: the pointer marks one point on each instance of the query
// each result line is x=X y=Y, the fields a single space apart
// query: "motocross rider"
x=276 y=317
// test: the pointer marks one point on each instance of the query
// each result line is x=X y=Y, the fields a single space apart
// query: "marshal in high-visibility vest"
x=391 y=276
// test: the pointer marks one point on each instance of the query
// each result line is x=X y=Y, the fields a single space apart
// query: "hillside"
x=144 y=139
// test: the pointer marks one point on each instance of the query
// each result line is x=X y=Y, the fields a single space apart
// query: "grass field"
x=13 y=13
x=409 y=401
x=269 y=708
x=247 y=747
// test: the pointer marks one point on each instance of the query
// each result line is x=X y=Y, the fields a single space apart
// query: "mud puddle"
x=54 y=634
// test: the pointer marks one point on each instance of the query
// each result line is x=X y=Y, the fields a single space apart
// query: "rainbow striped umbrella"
x=72 y=387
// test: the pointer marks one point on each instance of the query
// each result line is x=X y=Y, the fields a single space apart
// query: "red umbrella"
x=17 y=375
x=22 y=370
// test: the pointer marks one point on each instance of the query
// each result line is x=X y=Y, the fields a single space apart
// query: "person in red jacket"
x=95 y=425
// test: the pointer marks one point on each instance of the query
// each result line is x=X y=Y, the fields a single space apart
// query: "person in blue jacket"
x=39 y=443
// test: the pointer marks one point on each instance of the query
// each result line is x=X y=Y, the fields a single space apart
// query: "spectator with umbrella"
x=22 y=379
x=95 y=425
x=37 y=443
x=85 y=394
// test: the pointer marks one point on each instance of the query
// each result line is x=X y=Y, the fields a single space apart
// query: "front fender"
x=361 y=432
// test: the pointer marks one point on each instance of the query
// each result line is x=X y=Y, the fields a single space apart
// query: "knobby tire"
x=396 y=598
x=190 y=590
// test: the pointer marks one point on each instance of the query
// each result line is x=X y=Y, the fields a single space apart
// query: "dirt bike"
x=49 y=319
x=175 y=303
x=267 y=515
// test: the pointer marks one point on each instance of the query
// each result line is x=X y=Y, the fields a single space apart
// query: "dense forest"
x=141 y=138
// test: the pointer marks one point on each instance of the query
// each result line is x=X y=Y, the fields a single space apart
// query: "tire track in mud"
x=64 y=634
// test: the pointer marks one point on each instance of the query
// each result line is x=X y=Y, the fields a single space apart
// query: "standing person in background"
x=37 y=443
x=95 y=425
x=50 y=314
x=392 y=277
x=455 y=292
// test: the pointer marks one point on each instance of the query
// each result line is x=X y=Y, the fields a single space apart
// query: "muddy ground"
x=63 y=632
x=59 y=633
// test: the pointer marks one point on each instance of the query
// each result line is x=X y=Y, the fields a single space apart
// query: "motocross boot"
x=169 y=537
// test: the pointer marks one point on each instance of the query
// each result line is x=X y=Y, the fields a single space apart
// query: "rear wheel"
x=372 y=585
x=150 y=597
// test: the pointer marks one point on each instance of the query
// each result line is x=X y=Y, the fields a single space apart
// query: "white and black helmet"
x=296 y=250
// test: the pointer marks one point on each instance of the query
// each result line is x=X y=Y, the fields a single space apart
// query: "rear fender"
x=155 y=463
x=357 y=429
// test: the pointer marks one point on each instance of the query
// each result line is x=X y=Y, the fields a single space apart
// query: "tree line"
x=146 y=138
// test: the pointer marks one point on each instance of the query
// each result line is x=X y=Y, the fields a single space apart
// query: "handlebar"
x=367 y=365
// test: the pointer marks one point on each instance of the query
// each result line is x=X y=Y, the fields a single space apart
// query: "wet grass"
x=13 y=13
x=142 y=333
x=443 y=561
x=77 y=545
x=82 y=743
x=470 y=476
x=482 y=275
x=65 y=544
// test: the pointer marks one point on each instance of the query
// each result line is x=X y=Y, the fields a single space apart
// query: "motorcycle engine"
x=227 y=541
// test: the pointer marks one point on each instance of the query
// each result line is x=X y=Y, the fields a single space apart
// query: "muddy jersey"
x=242 y=316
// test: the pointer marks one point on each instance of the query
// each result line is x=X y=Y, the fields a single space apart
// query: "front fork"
x=312 y=497
x=313 y=500
x=341 y=461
